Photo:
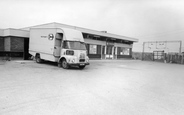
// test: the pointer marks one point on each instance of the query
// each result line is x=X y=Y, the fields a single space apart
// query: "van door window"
x=59 y=37
x=58 y=42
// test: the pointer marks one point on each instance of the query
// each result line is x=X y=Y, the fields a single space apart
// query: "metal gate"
x=158 y=55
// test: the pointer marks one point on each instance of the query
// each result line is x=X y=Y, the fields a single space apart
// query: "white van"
x=61 y=45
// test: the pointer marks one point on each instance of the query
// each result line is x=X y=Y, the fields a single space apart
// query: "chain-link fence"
x=166 y=58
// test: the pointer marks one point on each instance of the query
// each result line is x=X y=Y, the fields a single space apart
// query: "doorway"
x=57 y=44
x=109 y=52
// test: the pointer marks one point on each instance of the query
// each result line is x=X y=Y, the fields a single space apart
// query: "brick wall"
x=17 y=44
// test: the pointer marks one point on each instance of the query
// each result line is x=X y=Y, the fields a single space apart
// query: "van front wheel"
x=65 y=64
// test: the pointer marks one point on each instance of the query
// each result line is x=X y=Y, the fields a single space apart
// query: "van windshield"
x=76 y=45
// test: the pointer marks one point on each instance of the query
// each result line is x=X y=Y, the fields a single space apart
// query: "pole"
x=143 y=51
x=180 y=47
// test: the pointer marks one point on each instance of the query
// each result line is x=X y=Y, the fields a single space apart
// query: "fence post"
x=165 y=58
x=143 y=51
x=170 y=58
x=180 y=58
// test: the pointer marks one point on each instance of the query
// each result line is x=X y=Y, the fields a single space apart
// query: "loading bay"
x=105 y=87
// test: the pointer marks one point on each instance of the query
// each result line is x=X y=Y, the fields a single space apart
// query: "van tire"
x=60 y=63
x=38 y=58
x=64 y=64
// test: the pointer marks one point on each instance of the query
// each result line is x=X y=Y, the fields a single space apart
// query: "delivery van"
x=62 y=45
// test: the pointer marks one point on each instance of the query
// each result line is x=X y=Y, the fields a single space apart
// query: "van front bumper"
x=78 y=64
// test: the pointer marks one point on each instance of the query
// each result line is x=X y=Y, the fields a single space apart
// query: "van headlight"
x=73 y=60
x=87 y=60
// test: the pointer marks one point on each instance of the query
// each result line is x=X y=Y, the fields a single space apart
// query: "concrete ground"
x=106 y=87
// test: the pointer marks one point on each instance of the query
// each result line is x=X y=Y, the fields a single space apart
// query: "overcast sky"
x=146 y=20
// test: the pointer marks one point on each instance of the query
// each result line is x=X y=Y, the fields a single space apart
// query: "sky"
x=146 y=20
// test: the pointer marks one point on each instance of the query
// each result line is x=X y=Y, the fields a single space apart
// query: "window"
x=59 y=36
x=58 y=42
x=76 y=45
x=87 y=48
x=123 y=51
x=92 y=49
x=98 y=49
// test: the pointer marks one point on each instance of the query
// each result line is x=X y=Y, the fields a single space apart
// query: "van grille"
x=82 y=56
x=82 y=60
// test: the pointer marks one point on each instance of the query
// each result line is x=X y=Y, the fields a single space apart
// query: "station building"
x=99 y=44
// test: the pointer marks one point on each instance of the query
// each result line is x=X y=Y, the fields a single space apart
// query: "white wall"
x=16 y=32
x=1 y=32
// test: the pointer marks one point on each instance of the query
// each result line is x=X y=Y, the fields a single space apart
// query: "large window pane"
x=74 y=45
x=123 y=51
x=93 y=49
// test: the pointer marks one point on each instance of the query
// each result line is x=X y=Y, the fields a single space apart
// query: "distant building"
x=14 y=43
x=99 y=44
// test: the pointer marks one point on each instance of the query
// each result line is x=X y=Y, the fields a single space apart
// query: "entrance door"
x=57 y=45
x=109 y=52
x=114 y=53
x=103 y=52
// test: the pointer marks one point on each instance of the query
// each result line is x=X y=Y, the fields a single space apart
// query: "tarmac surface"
x=105 y=87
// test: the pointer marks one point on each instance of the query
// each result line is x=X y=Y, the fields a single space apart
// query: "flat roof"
x=83 y=30
x=14 y=32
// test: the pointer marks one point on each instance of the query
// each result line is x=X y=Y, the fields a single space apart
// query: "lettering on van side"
x=43 y=36
x=50 y=37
